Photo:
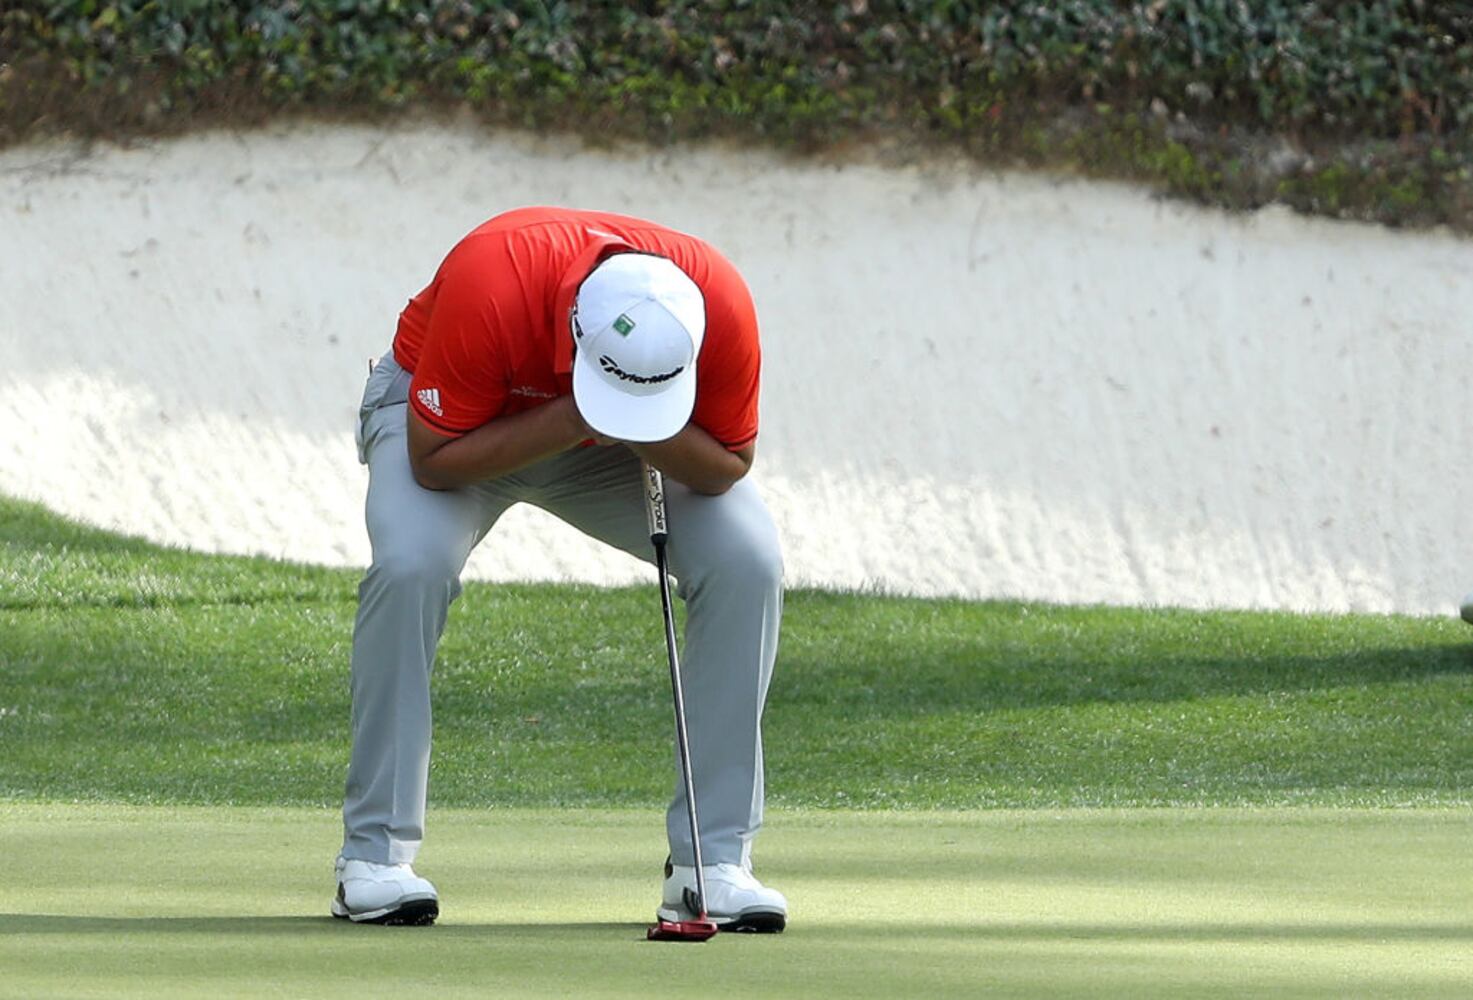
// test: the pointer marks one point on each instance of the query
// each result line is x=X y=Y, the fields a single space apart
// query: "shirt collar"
x=600 y=245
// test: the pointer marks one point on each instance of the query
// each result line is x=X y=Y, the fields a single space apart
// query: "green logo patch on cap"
x=623 y=324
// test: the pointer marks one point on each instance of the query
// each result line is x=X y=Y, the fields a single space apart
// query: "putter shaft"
x=659 y=535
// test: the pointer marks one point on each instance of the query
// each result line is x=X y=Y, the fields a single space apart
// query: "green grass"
x=134 y=673
x=173 y=737
x=109 y=901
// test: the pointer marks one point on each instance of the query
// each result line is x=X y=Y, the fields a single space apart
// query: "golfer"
x=552 y=352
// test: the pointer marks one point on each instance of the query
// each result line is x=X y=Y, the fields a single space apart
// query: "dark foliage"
x=1358 y=109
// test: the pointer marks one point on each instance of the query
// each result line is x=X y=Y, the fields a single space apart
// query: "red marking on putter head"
x=681 y=930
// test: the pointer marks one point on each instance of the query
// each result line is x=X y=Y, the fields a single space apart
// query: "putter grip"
x=654 y=503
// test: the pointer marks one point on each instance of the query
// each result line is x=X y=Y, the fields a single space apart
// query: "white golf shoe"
x=735 y=900
x=371 y=893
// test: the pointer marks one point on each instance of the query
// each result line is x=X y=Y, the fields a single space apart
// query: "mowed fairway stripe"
x=216 y=901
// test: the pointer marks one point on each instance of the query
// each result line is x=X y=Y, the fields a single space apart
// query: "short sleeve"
x=460 y=382
x=728 y=372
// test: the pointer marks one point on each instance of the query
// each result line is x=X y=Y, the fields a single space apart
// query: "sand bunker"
x=976 y=385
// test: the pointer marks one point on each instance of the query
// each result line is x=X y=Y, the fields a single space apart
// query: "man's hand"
x=692 y=458
x=695 y=459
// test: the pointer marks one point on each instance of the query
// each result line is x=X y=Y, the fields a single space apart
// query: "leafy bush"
x=1202 y=96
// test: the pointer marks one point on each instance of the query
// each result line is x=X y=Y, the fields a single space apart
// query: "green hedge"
x=1353 y=108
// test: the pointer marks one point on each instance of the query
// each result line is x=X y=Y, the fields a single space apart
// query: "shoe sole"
x=756 y=923
x=411 y=913
x=751 y=922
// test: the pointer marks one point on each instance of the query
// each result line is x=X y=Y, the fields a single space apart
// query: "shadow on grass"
x=994 y=670
x=1191 y=933
x=48 y=923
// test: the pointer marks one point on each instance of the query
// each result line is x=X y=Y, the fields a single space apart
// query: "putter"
x=702 y=928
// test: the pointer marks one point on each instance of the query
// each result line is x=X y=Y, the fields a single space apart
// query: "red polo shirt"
x=490 y=335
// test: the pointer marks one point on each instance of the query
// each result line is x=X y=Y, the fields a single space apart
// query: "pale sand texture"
x=976 y=385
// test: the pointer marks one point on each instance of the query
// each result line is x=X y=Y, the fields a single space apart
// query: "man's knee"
x=760 y=562
x=749 y=560
x=414 y=567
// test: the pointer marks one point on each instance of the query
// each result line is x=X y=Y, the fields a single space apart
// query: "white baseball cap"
x=638 y=322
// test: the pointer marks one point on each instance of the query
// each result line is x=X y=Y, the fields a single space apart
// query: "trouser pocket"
x=388 y=385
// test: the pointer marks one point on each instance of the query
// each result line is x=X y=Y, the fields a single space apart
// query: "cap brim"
x=641 y=419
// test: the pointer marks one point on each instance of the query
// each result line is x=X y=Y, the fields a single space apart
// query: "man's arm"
x=506 y=444
x=494 y=449
x=696 y=459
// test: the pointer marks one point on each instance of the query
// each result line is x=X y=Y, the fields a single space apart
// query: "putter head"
x=681 y=930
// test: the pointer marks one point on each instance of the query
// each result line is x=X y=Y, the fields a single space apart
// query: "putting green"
x=221 y=902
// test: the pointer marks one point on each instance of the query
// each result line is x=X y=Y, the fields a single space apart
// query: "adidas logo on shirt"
x=431 y=400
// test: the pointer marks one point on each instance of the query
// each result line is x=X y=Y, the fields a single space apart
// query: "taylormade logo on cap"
x=639 y=322
x=612 y=367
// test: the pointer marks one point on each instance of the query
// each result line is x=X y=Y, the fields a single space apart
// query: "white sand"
x=977 y=385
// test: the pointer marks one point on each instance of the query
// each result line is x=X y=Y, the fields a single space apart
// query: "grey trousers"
x=723 y=551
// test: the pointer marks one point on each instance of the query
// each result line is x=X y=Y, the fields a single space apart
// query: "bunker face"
x=974 y=385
